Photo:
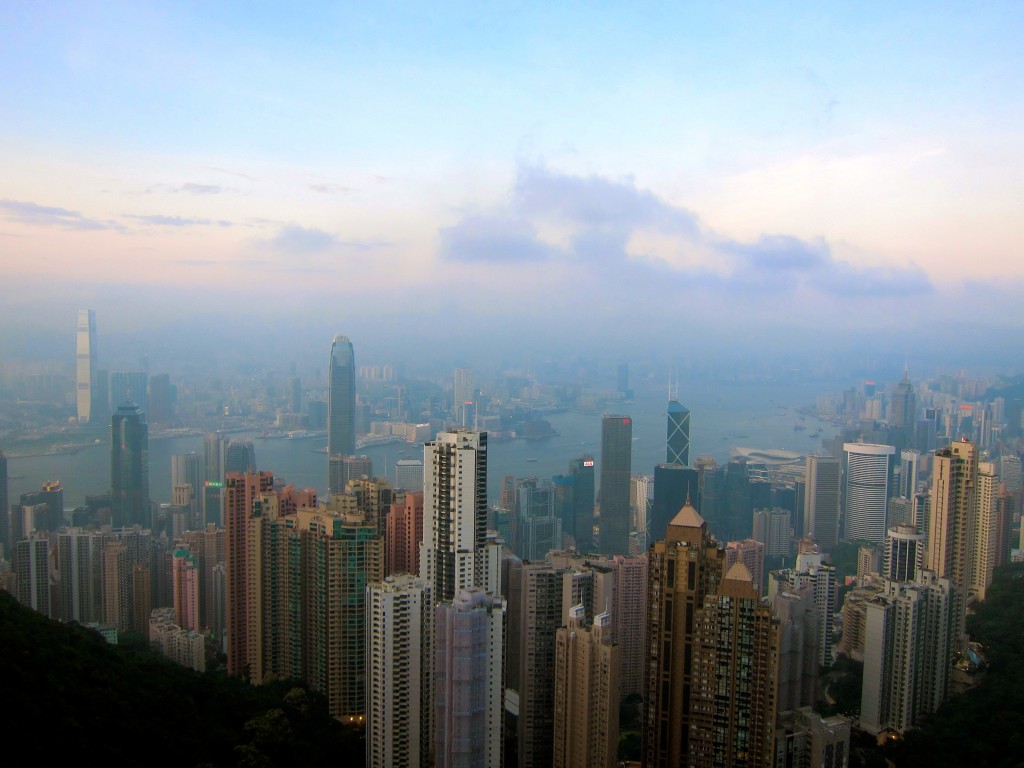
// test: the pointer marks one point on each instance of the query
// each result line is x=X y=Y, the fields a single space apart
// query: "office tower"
x=771 y=528
x=799 y=652
x=953 y=524
x=295 y=394
x=641 y=494
x=409 y=475
x=616 y=463
x=341 y=401
x=462 y=398
x=343 y=469
x=822 y=500
x=581 y=471
x=684 y=568
x=240 y=457
x=534 y=616
x=903 y=413
x=468 y=680
x=129 y=468
x=867 y=491
x=213 y=457
x=404 y=532
x=674 y=484
x=398 y=672
x=910 y=460
x=678 y=440
x=811 y=573
x=5 y=511
x=734 y=522
x=186 y=580
x=735 y=653
x=48 y=507
x=160 y=408
x=908 y=650
x=187 y=470
x=129 y=387
x=750 y=552
x=85 y=367
x=586 y=712
x=904 y=553
x=78 y=569
x=538 y=527
x=902 y=511
x=240 y=491
x=452 y=554
x=118 y=601
x=32 y=572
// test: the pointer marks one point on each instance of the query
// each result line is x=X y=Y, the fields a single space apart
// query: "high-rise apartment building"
x=129 y=468
x=186 y=577
x=453 y=554
x=811 y=573
x=404 y=532
x=867 y=491
x=616 y=463
x=988 y=529
x=85 y=367
x=750 y=552
x=398 y=672
x=735 y=657
x=468 y=680
x=908 y=651
x=953 y=524
x=684 y=568
x=678 y=434
x=32 y=572
x=341 y=401
x=78 y=566
x=341 y=470
x=586 y=707
x=119 y=601
x=822 y=500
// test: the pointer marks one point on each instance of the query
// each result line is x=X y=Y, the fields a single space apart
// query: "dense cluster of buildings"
x=461 y=633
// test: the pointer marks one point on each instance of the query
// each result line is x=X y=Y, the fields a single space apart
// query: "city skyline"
x=812 y=190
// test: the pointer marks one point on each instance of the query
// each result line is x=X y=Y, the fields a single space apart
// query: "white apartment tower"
x=398 y=672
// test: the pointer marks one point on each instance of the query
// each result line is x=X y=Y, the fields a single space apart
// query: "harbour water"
x=723 y=416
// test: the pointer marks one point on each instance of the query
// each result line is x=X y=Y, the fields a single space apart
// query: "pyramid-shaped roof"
x=687 y=516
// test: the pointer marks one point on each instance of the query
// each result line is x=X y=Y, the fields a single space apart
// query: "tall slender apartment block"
x=403 y=534
x=735 y=661
x=586 y=711
x=341 y=401
x=987 y=536
x=186 y=577
x=822 y=500
x=468 y=680
x=400 y=614
x=453 y=551
x=85 y=366
x=684 y=568
x=953 y=524
x=616 y=464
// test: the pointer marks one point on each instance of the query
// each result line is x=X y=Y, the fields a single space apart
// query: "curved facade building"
x=867 y=491
x=341 y=400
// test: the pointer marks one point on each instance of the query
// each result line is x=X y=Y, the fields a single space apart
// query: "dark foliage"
x=79 y=699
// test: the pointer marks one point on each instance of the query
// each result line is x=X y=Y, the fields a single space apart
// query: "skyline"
x=729 y=172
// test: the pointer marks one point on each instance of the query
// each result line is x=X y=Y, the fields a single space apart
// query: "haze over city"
x=575 y=179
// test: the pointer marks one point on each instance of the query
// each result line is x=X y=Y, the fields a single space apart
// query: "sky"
x=621 y=176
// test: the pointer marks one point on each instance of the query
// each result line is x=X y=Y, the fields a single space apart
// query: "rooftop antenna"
x=673 y=385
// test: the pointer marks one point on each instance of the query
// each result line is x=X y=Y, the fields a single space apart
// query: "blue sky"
x=576 y=165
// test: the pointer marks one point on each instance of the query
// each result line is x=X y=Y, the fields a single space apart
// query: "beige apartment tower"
x=587 y=670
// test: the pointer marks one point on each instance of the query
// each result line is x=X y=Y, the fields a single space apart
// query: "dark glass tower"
x=678 y=434
x=341 y=401
x=674 y=484
x=5 y=510
x=129 y=467
x=616 y=464
x=582 y=472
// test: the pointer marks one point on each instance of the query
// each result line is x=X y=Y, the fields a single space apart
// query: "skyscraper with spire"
x=341 y=401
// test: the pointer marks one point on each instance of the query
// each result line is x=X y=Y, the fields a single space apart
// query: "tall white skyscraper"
x=399 y=672
x=85 y=366
x=454 y=553
x=867 y=490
